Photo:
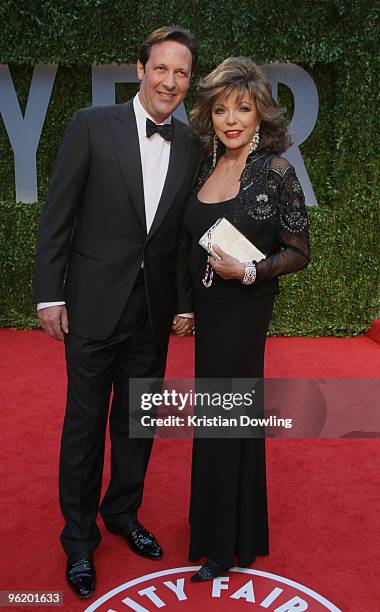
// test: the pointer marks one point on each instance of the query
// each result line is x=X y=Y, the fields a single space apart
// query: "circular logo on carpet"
x=173 y=590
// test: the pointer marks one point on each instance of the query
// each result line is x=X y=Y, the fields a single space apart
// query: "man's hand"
x=54 y=321
x=227 y=267
x=182 y=326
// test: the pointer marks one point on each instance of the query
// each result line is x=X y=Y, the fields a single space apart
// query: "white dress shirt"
x=155 y=153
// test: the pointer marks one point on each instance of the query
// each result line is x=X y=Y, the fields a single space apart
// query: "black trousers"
x=94 y=370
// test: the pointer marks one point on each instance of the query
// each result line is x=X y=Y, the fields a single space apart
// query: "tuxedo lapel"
x=178 y=164
x=123 y=128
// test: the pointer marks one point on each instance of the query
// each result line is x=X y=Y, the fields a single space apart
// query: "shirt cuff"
x=42 y=305
x=186 y=315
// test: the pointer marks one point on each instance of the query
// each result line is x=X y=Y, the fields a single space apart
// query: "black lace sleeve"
x=293 y=225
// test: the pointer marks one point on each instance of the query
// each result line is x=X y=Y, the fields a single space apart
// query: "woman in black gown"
x=244 y=179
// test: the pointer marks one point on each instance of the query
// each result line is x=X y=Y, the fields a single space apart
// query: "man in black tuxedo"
x=105 y=283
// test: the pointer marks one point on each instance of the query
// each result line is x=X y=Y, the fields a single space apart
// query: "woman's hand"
x=227 y=267
x=183 y=326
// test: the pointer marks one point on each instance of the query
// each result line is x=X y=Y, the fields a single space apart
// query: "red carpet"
x=374 y=331
x=323 y=494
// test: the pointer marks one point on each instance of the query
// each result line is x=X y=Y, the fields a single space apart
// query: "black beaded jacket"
x=270 y=211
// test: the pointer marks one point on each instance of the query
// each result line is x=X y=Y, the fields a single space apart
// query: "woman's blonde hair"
x=237 y=75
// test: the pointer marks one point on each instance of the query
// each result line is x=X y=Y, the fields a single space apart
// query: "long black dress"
x=228 y=508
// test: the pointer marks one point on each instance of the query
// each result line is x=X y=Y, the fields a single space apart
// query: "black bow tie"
x=165 y=130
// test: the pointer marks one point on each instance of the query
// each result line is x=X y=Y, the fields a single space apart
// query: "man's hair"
x=176 y=33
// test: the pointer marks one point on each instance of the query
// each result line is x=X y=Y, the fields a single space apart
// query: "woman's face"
x=235 y=120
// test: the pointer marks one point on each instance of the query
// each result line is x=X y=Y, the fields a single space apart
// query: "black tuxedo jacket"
x=93 y=235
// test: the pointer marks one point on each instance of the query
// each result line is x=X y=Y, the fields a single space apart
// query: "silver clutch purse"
x=231 y=241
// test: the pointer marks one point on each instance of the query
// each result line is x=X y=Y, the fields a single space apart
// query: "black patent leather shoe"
x=80 y=575
x=140 y=540
x=209 y=571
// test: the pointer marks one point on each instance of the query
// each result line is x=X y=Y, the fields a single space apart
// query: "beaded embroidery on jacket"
x=269 y=190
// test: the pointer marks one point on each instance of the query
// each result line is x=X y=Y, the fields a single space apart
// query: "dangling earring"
x=255 y=141
x=214 y=150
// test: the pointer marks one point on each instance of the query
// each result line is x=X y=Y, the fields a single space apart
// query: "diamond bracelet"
x=250 y=272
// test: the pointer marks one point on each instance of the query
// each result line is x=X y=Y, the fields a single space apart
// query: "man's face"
x=165 y=80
